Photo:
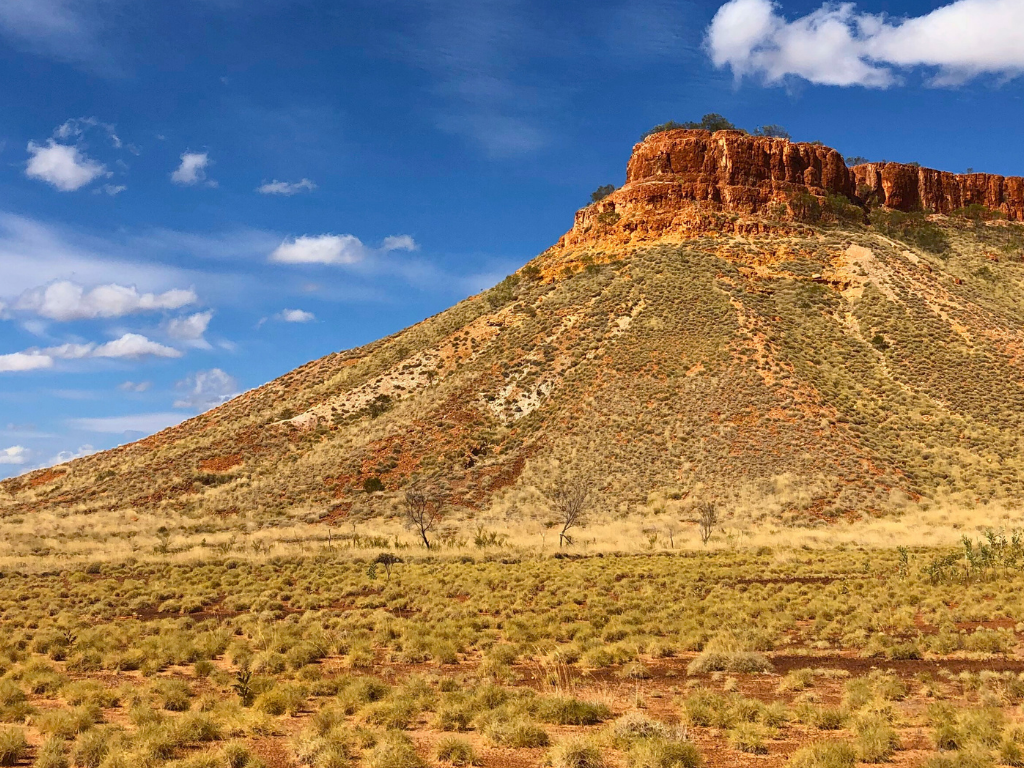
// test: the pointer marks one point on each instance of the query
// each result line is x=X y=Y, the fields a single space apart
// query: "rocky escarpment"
x=682 y=182
x=911 y=188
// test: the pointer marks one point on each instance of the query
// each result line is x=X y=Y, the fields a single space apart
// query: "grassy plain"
x=501 y=656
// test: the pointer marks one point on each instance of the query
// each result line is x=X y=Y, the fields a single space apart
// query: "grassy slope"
x=777 y=372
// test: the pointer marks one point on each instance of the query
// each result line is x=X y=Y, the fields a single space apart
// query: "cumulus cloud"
x=130 y=345
x=64 y=301
x=335 y=249
x=204 y=390
x=62 y=165
x=325 y=249
x=295 y=316
x=399 y=243
x=24 y=361
x=192 y=170
x=836 y=45
x=134 y=345
x=16 y=454
x=287 y=188
x=191 y=328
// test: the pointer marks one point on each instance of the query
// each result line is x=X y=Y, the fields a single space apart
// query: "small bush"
x=749 y=738
x=456 y=751
x=52 y=754
x=635 y=725
x=518 y=733
x=911 y=228
x=876 y=739
x=575 y=753
x=12 y=746
x=748 y=662
x=824 y=754
x=566 y=711
x=664 y=753
x=394 y=750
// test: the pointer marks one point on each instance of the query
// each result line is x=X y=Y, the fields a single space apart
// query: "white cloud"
x=24 y=361
x=65 y=29
x=835 y=45
x=206 y=389
x=77 y=127
x=65 y=301
x=191 y=328
x=336 y=249
x=62 y=165
x=65 y=456
x=192 y=169
x=134 y=345
x=130 y=345
x=135 y=386
x=295 y=316
x=16 y=454
x=399 y=243
x=111 y=189
x=145 y=423
x=325 y=249
x=276 y=187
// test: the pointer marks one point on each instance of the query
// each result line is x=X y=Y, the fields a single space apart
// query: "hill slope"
x=731 y=324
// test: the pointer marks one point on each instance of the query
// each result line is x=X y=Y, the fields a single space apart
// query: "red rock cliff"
x=679 y=180
x=909 y=188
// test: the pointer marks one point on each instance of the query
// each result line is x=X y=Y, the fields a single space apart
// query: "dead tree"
x=423 y=512
x=707 y=520
x=569 y=499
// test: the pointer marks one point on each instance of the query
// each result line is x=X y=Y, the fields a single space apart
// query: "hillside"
x=746 y=320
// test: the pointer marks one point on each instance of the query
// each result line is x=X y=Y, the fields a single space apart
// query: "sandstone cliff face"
x=687 y=182
x=908 y=188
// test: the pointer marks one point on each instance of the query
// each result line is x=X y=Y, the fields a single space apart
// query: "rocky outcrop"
x=911 y=188
x=743 y=173
x=692 y=181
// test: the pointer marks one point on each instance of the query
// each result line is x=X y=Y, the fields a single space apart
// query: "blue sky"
x=198 y=196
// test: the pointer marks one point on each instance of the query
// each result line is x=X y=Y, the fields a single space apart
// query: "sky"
x=199 y=196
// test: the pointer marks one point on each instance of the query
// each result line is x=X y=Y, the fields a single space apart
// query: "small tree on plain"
x=569 y=501
x=707 y=519
x=423 y=513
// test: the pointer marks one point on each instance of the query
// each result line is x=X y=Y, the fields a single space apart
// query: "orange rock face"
x=910 y=188
x=683 y=182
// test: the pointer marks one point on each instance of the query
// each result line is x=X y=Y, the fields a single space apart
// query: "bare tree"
x=423 y=512
x=569 y=500
x=707 y=520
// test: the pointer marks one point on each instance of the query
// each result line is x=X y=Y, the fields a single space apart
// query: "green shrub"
x=195 y=727
x=824 y=754
x=567 y=711
x=12 y=746
x=91 y=748
x=749 y=738
x=173 y=695
x=53 y=754
x=394 y=750
x=664 y=753
x=287 y=698
x=743 y=662
x=635 y=725
x=518 y=733
x=876 y=739
x=456 y=751
x=236 y=754
x=912 y=228
x=578 y=752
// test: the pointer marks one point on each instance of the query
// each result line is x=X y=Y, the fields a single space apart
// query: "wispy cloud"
x=285 y=187
x=141 y=423
x=836 y=45
x=67 y=30
x=203 y=390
